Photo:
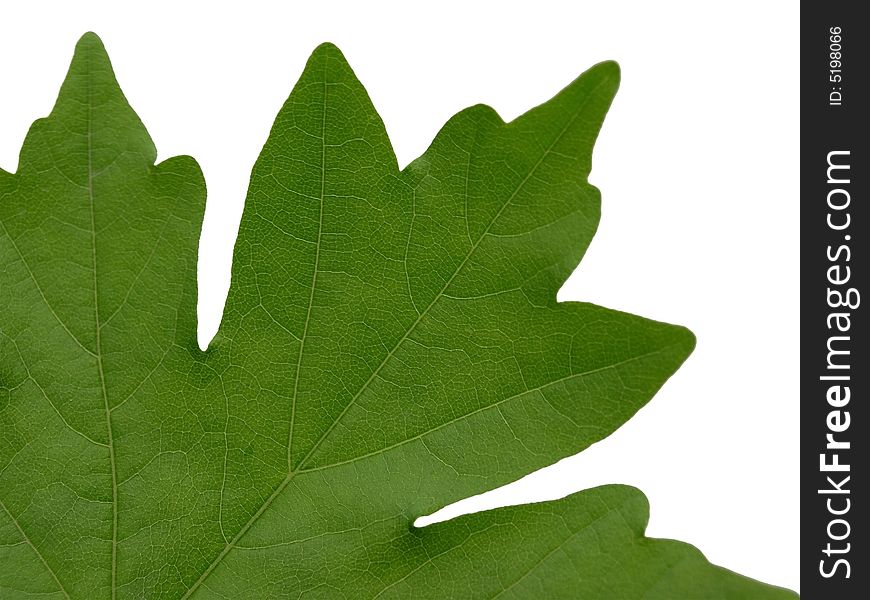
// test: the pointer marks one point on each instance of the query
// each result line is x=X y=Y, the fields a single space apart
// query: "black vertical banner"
x=834 y=370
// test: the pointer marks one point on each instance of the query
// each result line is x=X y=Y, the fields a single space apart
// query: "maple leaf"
x=391 y=343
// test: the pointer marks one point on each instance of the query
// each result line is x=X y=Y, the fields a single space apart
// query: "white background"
x=697 y=163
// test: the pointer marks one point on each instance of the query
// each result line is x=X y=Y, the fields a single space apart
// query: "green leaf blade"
x=99 y=285
x=391 y=343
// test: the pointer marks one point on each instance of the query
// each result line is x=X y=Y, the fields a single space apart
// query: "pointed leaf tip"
x=328 y=49
x=602 y=79
x=607 y=74
x=609 y=67
x=90 y=61
x=90 y=103
x=89 y=37
x=90 y=46
x=327 y=53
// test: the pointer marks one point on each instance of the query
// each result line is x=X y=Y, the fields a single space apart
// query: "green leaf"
x=391 y=343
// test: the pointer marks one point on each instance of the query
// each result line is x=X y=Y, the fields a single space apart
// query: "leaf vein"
x=456 y=272
x=35 y=549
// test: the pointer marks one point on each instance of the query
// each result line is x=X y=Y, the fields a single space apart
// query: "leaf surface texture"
x=391 y=343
